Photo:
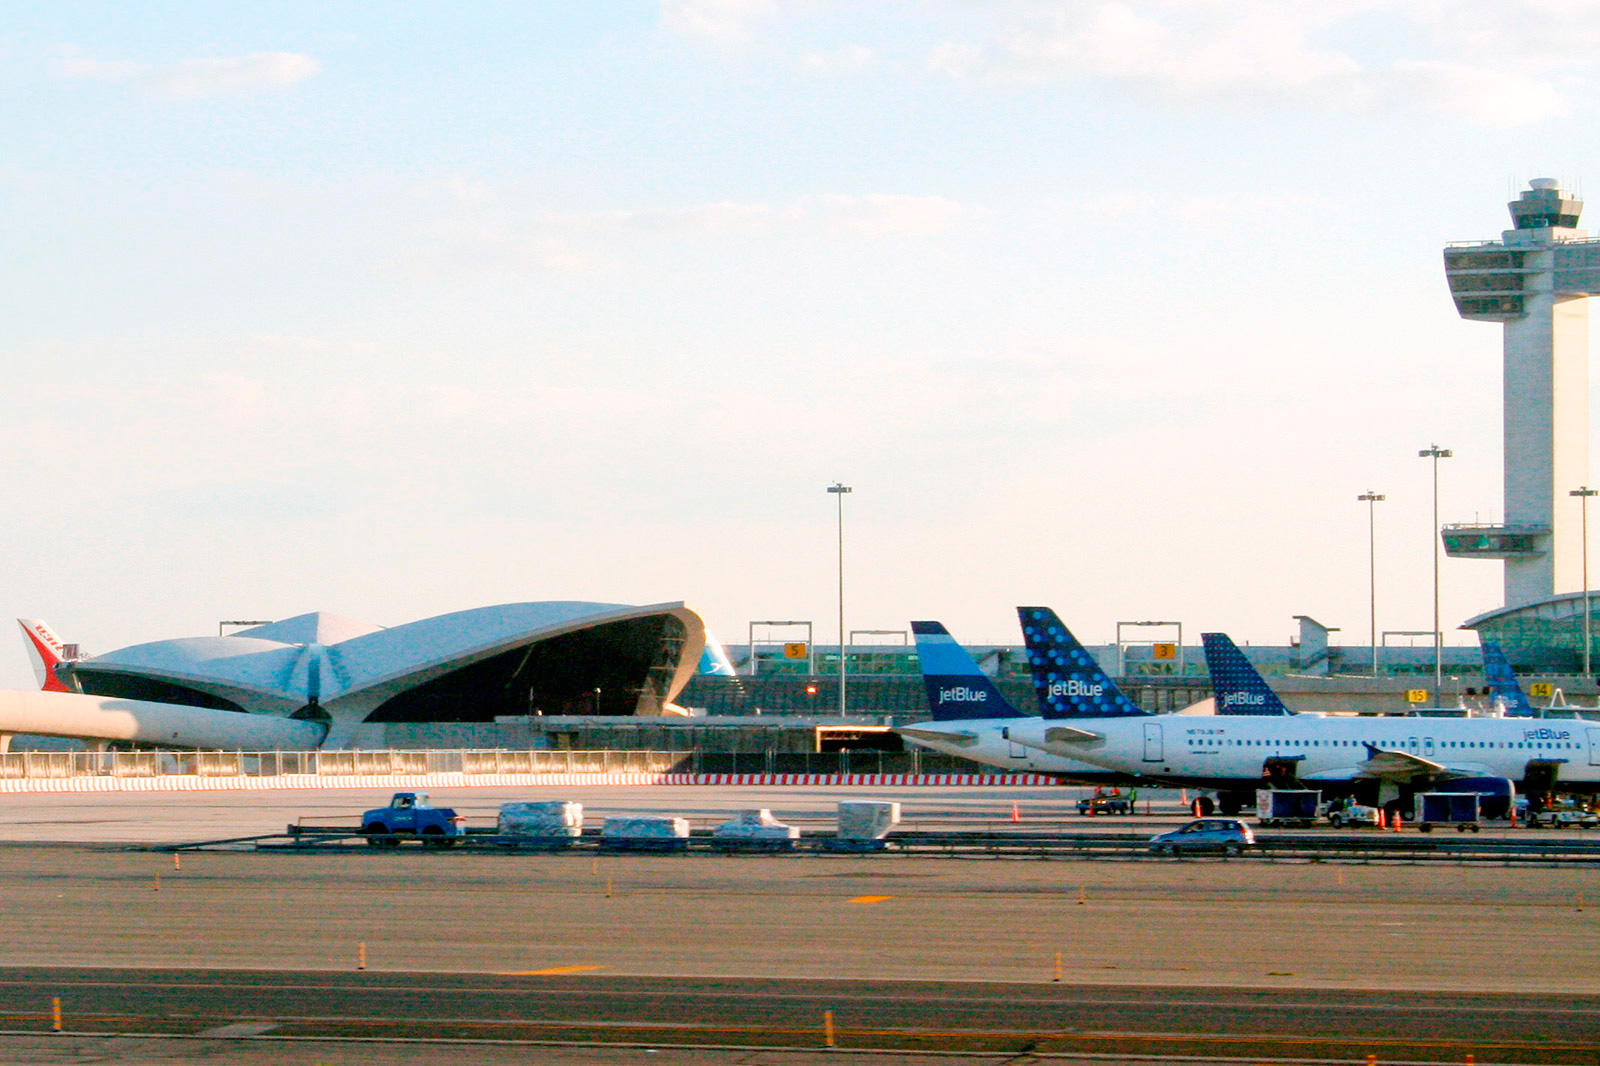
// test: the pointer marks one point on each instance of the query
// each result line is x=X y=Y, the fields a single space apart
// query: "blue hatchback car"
x=1222 y=836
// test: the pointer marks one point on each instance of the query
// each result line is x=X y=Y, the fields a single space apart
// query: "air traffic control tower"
x=1535 y=280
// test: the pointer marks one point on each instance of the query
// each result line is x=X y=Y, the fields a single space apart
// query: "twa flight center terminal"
x=319 y=680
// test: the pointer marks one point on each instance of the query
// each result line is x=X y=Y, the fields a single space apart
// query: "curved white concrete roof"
x=277 y=668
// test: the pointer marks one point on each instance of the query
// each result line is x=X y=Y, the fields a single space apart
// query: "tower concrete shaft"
x=1536 y=281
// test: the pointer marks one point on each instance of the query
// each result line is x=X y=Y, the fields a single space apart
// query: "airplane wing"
x=961 y=738
x=1066 y=734
x=1385 y=763
x=1391 y=763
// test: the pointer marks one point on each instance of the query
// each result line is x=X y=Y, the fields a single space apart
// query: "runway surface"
x=915 y=1016
x=1203 y=923
x=1244 y=962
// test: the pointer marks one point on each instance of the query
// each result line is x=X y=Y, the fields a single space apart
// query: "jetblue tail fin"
x=46 y=652
x=1502 y=682
x=1237 y=686
x=957 y=689
x=1069 y=682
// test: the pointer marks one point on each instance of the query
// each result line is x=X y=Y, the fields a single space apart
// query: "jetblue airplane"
x=1382 y=759
x=971 y=715
x=1378 y=759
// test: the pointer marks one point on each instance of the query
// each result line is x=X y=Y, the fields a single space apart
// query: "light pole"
x=1585 y=492
x=838 y=489
x=1371 y=499
x=1434 y=452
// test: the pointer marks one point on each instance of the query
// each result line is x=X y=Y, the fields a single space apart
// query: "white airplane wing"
x=959 y=737
x=1390 y=763
x=1384 y=763
x=1065 y=734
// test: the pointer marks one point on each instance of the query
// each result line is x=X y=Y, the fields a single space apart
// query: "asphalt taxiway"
x=527 y=1010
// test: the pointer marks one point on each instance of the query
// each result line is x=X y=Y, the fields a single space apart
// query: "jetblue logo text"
x=1076 y=688
x=1546 y=734
x=962 y=695
x=1243 y=699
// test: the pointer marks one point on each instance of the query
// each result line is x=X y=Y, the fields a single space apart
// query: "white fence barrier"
x=184 y=771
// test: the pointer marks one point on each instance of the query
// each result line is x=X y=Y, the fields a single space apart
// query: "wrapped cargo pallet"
x=863 y=824
x=755 y=830
x=645 y=833
x=552 y=823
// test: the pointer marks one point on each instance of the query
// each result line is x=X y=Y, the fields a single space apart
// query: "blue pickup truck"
x=409 y=815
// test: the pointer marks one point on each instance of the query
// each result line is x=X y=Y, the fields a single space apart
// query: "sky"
x=391 y=310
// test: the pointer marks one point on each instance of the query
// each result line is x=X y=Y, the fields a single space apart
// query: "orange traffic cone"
x=1016 y=815
x=1394 y=821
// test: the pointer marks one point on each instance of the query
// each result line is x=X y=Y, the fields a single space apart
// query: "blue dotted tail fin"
x=957 y=688
x=1069 y=682
x=1238 y=686
x=1502 y=682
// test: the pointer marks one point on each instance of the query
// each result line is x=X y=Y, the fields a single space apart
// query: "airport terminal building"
x=521 y=660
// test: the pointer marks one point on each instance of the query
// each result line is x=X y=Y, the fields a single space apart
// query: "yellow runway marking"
x=551 y=971
x=870 y=899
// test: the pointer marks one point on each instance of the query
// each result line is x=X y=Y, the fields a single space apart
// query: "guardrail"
x=1310 y=847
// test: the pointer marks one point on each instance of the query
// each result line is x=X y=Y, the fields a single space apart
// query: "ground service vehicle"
x=1227 y=836
x=1105 y=803
x=1348 y=814
x=1288 y=806
x=1563 y=818
x=410 y=815
x=1459 y=809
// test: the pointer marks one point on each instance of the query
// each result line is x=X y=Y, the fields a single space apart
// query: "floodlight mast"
x=1434 y=452
x=1584 y=492
x=1372 y=499
x=838 y=489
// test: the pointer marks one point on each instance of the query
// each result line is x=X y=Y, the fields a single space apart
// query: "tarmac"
x=525 y=1014
x=1195 y=922
x=178 y=817
x=1289 y=951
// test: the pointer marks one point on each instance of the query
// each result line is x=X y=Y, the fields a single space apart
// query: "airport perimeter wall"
x=164 y=771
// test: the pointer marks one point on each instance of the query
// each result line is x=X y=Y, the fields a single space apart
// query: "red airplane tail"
x=46 y=651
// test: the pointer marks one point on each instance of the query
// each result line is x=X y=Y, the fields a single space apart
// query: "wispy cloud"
x=1269 y=53
x=195 y=78
x=881 y=215
x=575 y=241
x=836 y=62
x=721 y=21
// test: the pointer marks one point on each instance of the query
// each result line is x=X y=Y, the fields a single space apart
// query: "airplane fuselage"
x=1232 y=752
x=985 y=740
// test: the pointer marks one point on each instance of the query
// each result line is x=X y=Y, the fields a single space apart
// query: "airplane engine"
x=1496 y=794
